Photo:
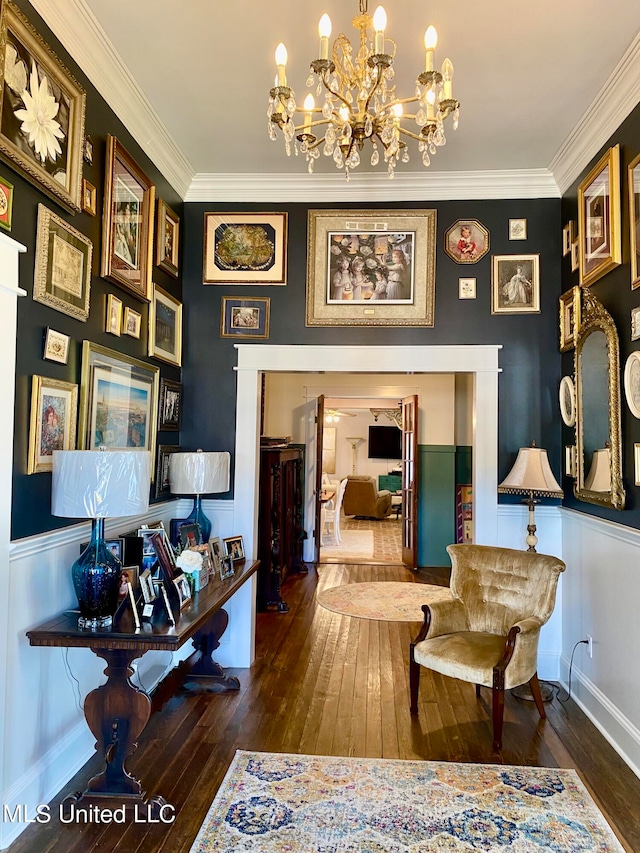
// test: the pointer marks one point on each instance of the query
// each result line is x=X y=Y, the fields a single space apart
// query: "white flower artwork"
x=39 y=118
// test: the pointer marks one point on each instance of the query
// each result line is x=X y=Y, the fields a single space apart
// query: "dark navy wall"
x=530 y=359
x=32 y=493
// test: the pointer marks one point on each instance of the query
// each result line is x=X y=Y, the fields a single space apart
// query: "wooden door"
x=410 y=481
x=318 y=486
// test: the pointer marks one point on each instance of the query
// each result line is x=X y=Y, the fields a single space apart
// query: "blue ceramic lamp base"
x=96 y=580
x=198 y=517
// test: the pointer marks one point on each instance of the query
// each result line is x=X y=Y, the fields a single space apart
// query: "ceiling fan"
x=334 y=415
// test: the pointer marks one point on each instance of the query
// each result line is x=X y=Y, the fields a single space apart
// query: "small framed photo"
x=568 y=236
x=575 y=255
x=569 y=318
x=567 y=399
x=633 y=172
x=184 y=590
x=147 y=586
x=170 y=406
x=6 y=204
x=244 y=318
x=163 y=484
x=190 y=535
x=129 y=575
x=88 y=198
x=54 y=419
x=113 y=323
x=165 y=327
x=227 y=568
x=635 y=324
x=115 y=547
x=570 y=468
x=234 y=548
x=164 y=551
x=87 y=150
x=167 y=238
x=131 y=322
x=517 y=229
x=599 y=218
x=632 y=383
x=245 y=248
x=466 y=288
x=515 y=284
x=466 y=241
x=636 y=463
x=56 y=346
x=217 y=553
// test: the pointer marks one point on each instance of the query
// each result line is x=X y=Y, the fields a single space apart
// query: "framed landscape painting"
x=245 y=248
x=165 y=327
x=54 y=417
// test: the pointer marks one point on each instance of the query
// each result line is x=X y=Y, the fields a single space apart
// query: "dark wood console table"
x=118 y=711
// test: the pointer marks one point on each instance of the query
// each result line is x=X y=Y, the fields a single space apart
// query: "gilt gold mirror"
x=598 y=441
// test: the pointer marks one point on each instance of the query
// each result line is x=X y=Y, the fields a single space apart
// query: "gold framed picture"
x=575 y=255
x=466 y=288
x=127 y=223
x=599 y=218
x=570 y=461
x=468 y=240
x=244 y=318
x=371 y=267
x=131 y=322
x=167 y=239
x=245 y=248
x=633 y=172
x=517 y=229
x=54 y=418
x=165 y=327
x=515 y=284
x=88 y=198
x=113 y=322
x=569 y=318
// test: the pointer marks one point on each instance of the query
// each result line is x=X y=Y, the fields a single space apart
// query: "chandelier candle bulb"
x=281 y=62
x=324 y=30
x=379 y=24
x=431 y=100
x=430 y=43
x=447 y=76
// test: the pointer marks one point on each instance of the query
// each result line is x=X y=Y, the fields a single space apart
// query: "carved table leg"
x=201 y=663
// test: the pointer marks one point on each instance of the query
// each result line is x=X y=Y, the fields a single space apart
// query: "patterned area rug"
x=387 y=601
x=355 y=543
x=271 y=803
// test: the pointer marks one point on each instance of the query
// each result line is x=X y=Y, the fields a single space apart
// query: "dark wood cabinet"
x=280 y=530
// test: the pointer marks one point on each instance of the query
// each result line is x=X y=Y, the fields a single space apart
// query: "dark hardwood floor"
x=327 y=684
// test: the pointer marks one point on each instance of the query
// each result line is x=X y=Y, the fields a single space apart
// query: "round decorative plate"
x=632 y=383
x=568 y=401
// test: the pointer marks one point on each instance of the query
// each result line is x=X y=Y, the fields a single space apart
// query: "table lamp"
x=99 y=484
x=199 y=473
x=531 y=475
x=599 y=476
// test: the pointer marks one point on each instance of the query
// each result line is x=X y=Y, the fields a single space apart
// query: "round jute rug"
x=387 y=601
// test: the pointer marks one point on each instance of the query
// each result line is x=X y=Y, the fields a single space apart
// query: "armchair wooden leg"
x=414 y=682
x=477 y=691
x=497 y=695
x=534 y=684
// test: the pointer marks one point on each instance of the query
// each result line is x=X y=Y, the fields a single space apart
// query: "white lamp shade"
x=99 y=483
x=599 y=476
x=531 y=473
x=199 y=473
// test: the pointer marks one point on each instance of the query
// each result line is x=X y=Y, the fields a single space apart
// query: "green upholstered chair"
x=488 y=633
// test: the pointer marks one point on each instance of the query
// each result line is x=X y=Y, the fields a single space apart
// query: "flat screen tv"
x=385 y=442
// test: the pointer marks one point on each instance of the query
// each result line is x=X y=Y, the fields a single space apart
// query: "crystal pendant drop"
x=418 y=91
x=330 y=135
x=310 y=167
x=405 y=155
x=349 y=98
x=421 y=118
x=287 y=147
x=346 y=130
x=456 y=117
x=432 y=148
x=375 y=156
x=304 y=146
x=326 y=109
x=272 y=131
x=368 y=126
x=311 y=80
x=337 y=156
x=426 y=160
x=270 y=108
x=291 y=106
x=328 y=148
x=347 y=176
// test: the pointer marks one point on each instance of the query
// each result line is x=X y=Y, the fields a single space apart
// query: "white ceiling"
x=526 y=74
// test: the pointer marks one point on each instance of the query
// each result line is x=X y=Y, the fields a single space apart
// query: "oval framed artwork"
x=568 y=401
x=632 y=383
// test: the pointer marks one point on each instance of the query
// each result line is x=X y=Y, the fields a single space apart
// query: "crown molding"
x=611 y=106
x=365 y=186
x=76 y=26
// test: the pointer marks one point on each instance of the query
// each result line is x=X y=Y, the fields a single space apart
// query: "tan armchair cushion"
x=363 y=498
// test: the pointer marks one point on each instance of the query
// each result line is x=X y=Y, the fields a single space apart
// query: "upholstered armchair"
x=488 y=633
x=362 y=498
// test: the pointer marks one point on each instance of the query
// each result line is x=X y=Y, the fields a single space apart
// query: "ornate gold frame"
x=596 y=318
x=610 y=218
x=634 y=220
x=569 y=318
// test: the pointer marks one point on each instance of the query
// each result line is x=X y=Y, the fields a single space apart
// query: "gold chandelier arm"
x=409 y=133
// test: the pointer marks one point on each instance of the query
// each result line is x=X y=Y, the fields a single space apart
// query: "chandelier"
x=360 y=101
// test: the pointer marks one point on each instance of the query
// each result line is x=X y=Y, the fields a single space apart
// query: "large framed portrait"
x=467 y=241
x=54 y=418
x=371 y=267
x=245 y=248
x=42 y=116
x=165 y=327
x=62 y=275
x=569 y=318
x=634 y=219
x=167 y=239
x=244 y=318
x=599 y=218
x=118 y=401
x=127 y=223
x=170 y=407
x=515 y=284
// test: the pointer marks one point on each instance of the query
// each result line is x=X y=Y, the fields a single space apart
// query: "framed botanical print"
x=599 y=218
x=170 y=407
x=54 y=417
x=165 y=327
x=167 y=239
x=6 y=204
x=634 y=219
x=466 y=288
x=244 y=318
x=163 y=489
x=245 y=248
x=43 y=107
x=62 y=276
x=113 y=324
x=515 y=284
x=55 y=346
x=466 y=241
x=118 y=401
x=127 y=223
x=567 y=399
x=569 y=318
x=517 y=229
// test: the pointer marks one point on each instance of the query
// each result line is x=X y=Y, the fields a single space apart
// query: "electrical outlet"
x=590 y=645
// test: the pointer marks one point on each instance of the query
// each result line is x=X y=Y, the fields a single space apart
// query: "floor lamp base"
x=524 y=692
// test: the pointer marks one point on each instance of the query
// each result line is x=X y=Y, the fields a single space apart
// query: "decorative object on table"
x=466 y=241
x=371 y=267
x=633 y=172
x=227 y=568
x=6 y=204
x=466 y=288
x=234 y=548
x=55 y=346
x=127 y=223
x=163 y=489
x=360 y=100
x=54 y=418
x=62 y=275
x=165 y=327
x=575 y=255
x=129 y=575
x=114 y=545
x=599 y=218
x=42 y=120
x=635 y=323
x=131 y=322
x=567 y=398
x=245 y=248
x=202 y=578
x=181 y=584
x=515 y=284
x=216 y=552
x=199 y=474
x=190 y=564
x=113 y=322
x=517 y=229
x=118 y=401
x=632 y=383
x=531 y=476
x=167 y=239
x=244 y=318
x=87 y=150
x=568 y=236
x=149 y=592
x=190 y=534
x=88 y=198
x=98 y=484
x=570 y=459
x=170 y=406
x=569 y=318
